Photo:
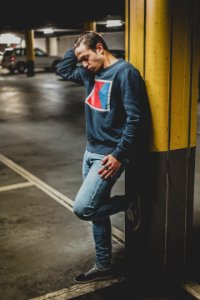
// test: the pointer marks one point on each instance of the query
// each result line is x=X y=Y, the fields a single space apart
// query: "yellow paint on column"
x=127 y=30
x=184 y=95
x=159 y=42
x=30 y=44
x=196 y=71
x=137 y=31
x=157 y=73
x=193 y=125
x=185 y=66
x=90 y=26
x=180 y=83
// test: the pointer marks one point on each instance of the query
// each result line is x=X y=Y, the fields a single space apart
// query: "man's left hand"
x=110 y=166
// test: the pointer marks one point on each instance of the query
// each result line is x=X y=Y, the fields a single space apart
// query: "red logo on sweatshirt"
x=99 y=98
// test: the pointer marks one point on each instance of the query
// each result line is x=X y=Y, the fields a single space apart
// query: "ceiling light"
x=48 y=30
x=9 y=38
x=114 y=23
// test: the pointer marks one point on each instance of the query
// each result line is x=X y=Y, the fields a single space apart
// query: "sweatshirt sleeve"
x=130 y=85
x=69 y=70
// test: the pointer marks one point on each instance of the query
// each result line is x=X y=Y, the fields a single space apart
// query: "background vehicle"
x=14 y=59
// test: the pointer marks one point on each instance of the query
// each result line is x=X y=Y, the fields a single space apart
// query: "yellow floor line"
x=39 y=183
x=15 y=186
x=117 y=235
x=78 y=290
x=192 y=288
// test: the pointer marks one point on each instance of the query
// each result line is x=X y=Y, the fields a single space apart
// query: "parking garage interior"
x=42 y=140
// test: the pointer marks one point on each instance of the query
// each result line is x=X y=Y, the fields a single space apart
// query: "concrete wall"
x=40 y=43
x=115 y=40
x=58 y=45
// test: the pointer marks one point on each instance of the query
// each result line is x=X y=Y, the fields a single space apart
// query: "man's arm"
x=131 y=97
x=132 y=93
x=69 y=70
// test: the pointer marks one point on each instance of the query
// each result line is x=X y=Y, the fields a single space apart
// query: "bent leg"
x=93 y=199
x=93 y=203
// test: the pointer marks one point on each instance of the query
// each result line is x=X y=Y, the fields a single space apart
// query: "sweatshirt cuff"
x=119 y=155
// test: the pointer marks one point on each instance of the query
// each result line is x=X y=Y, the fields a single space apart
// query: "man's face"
x=90 y=59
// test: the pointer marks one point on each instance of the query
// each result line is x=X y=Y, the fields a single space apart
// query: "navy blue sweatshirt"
x=113 y=105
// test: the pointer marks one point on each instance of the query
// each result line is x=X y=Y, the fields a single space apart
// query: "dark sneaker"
x=133 y=214
x=94 y=274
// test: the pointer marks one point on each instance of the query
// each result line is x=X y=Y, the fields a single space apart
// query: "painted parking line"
x=192 y=288
x=117 y=235
x=15 y=186
x=59 y=197
x=78 y=290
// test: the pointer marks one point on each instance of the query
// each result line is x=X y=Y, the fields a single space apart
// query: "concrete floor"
x=42 y=244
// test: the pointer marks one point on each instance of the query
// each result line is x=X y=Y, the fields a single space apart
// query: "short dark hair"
x=90 y=39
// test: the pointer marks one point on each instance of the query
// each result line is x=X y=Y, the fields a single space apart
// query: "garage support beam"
x=162 y=41
x=90 y=26
x=29 y=37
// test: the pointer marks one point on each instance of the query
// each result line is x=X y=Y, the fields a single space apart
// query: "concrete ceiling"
x=16 y=15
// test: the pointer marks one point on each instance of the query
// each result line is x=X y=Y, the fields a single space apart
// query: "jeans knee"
x=82 y=213
x=77 y=212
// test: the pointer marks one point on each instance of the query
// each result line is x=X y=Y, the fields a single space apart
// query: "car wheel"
x=12 y=71
x=21 y=67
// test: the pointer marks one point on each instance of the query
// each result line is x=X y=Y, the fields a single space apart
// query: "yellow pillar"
x=90 y=26
x=162 y=41
x=29 y=36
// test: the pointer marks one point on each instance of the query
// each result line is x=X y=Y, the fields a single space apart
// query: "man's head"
x=91 y=50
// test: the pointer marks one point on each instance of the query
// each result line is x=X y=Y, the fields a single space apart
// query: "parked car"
x=14 y=59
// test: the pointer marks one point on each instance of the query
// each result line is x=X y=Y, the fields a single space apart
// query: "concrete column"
x=162 y=41
x=52 y=45
x=90 y=26
x=29 y=36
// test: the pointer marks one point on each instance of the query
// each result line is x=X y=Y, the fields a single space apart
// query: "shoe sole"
x=93 y=280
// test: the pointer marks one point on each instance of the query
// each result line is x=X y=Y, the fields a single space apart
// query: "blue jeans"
x=93 y=203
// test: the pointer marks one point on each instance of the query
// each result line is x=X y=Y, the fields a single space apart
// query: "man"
x=114 y=110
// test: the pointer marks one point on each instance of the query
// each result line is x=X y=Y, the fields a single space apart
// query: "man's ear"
x=99 y=48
